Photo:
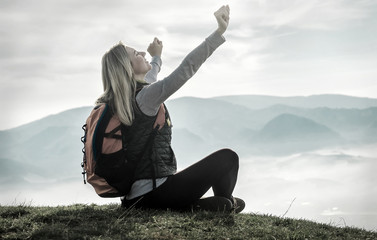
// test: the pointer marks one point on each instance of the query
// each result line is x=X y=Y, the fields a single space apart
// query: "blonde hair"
x=119 y=84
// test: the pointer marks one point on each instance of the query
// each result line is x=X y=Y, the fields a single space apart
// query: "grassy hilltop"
x=113 y=222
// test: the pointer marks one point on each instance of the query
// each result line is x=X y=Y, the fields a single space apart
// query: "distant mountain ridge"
x=199 y=127
x=288 y=133
x=313 y=101
x=291 y=127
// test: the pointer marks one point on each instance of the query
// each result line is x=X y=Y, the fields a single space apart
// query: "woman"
x=139 y=104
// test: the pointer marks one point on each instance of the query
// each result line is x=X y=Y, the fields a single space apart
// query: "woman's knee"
x=230 y=156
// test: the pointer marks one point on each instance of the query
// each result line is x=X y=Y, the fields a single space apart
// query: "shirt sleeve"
x=151 y=76
x=150 y=97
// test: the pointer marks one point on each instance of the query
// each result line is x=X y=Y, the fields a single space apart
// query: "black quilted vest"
x=160 y=161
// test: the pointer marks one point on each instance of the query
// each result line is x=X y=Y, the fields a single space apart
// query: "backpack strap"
x=99 y=132
x=150 y=142
x=148 y=151
x=83 y=163
x=124 y=136
x=112 y=134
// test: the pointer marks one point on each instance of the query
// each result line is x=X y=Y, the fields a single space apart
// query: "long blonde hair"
x=119 y=84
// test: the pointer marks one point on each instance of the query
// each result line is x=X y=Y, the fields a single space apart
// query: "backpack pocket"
x=116 y=170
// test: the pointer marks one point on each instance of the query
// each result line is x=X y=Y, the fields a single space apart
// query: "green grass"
x=113 y=222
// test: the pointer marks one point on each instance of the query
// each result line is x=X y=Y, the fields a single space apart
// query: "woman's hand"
x=155 y=48
x=160 y=120
x=222 y=17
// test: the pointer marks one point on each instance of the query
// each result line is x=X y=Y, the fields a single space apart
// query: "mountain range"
x=269 y=127
x=252 y=125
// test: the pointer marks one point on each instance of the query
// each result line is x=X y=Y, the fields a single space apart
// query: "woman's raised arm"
x=155 y=50
x=150 y=98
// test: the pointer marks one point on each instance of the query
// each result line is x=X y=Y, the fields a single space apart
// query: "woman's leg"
x=218 y=170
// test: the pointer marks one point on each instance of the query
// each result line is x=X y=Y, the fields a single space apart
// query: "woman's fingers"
x=155 y=48
x=157 y=41
x=222 y=17
x=223 y=12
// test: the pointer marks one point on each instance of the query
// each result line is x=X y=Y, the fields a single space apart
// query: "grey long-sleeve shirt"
x=151 y=76
x=150 y=97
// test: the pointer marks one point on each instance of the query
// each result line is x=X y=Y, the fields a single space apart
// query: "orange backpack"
x=105 y=153
x=105 y=161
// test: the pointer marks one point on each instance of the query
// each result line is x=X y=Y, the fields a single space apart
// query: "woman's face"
x=139 y=64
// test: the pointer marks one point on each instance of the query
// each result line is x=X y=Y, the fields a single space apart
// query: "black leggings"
x=218 y=170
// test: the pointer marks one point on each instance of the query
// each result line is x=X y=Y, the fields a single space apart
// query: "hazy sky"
x=50 y=51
